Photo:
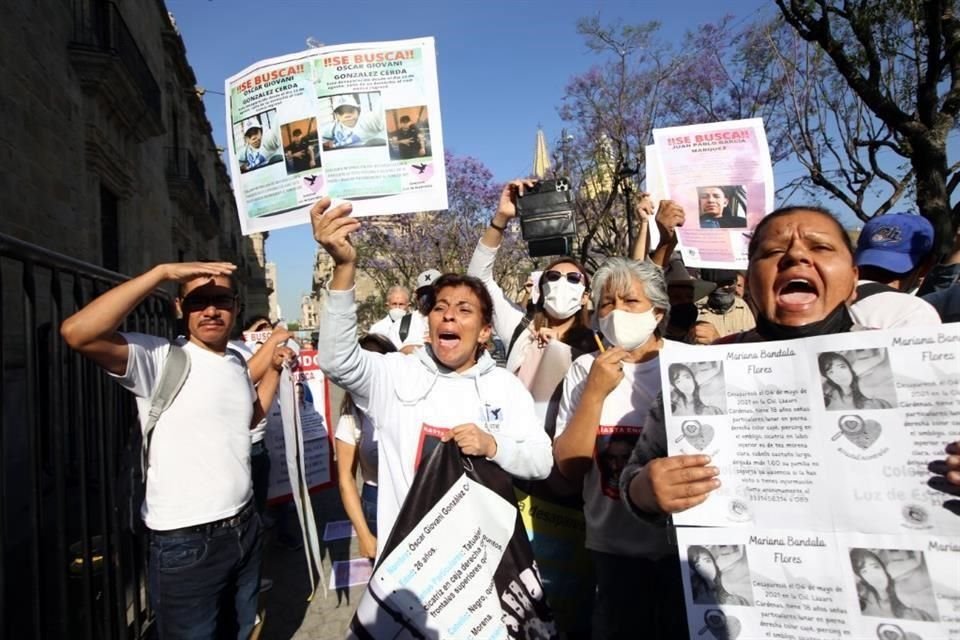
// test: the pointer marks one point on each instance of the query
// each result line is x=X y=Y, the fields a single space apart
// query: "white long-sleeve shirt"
x=402 y=394
x=506 y=315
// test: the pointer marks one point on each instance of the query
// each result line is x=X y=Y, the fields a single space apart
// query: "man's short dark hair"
x=404 y=119
x=297 y=132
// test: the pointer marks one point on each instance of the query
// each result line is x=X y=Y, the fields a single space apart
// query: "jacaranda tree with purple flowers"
x=394 y=249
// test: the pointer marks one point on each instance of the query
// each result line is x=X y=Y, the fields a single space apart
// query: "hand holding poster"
x=829 y=521
x=354 y=121
x=721 y=174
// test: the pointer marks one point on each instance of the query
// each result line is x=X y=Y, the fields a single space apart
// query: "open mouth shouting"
x=448 y=340
x=796 y=293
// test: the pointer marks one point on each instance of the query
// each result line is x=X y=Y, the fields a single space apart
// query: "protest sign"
x=721 y=174
x=353 y=121
x=313 y=408
x=457 y=563
x=295 y=469
x=829 y=521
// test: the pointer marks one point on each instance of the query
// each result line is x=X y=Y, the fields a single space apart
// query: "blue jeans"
x=204 y=581
x=368 y=502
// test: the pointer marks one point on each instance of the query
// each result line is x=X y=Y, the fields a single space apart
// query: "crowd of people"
x=596 y=444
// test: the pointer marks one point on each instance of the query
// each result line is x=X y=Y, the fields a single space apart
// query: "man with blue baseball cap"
x=894 y=252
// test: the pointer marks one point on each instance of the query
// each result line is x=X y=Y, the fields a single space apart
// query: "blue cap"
x=896 y=242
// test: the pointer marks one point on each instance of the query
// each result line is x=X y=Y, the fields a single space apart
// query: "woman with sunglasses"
x=560 y=313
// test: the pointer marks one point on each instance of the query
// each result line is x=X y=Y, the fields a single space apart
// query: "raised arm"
x=260 y=362
x=506 y=316
x=641 y=244
x=670 y=215
x=270 y=380
x=92 y=331
x=339 y=355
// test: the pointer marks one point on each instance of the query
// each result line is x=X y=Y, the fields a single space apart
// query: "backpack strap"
x=868 y=289
x=239 y=356
x=527 y=319
x=405 y=326
x=175 y=370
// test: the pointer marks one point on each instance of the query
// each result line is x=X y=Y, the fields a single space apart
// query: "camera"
x=547 y=220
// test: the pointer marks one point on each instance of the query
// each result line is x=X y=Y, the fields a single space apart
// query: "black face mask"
x=838 y=321
x=721 y=300
x=683 y=315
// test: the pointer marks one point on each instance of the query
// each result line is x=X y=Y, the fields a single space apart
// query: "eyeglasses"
x=199 y=302
x=573 y=277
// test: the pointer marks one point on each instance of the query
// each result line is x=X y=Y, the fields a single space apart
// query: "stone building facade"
x=106 y=150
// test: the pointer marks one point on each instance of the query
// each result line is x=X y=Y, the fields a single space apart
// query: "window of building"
x=109 y=230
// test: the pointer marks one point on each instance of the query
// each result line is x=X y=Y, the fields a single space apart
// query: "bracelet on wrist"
x=501 y=229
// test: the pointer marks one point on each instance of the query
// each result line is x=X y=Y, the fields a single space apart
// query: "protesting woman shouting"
x=452 y=386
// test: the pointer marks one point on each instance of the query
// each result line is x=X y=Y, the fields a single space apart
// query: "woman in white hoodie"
x=451 y=388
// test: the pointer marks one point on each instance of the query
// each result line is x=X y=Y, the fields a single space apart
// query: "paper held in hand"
x=357 y=122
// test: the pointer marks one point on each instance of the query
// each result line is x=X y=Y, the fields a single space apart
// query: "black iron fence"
x=70 y=567
x=98 y=24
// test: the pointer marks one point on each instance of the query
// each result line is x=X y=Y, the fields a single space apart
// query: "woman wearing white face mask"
x=606 y=397
x=559 y=315
x=560 y=311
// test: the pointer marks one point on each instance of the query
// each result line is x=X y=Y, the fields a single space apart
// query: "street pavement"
x=288 y=614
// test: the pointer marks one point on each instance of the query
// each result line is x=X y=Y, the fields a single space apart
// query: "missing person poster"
x=829 y=521
x=313 y=410
x=721 y=174
x=357 y=122
x=457 y=563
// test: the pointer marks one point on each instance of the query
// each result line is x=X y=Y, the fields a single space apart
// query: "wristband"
x=502 y=229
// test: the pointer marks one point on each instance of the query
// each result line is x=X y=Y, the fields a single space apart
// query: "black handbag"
x=547 y=220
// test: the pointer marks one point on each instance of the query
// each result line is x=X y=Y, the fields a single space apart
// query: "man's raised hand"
x=332 y=228
x=186 y=271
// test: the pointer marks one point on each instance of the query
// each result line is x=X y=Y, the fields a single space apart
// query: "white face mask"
x=628 y=329
x=562 y=299
x=396 y=313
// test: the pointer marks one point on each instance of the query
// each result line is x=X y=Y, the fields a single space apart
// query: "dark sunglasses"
x=573 y=277
x=198 y=302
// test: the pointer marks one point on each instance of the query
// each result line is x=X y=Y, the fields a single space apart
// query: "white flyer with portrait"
x=358 y=122
x=722 y=176
x=830 y=520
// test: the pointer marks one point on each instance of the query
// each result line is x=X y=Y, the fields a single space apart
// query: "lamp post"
x=625 y=175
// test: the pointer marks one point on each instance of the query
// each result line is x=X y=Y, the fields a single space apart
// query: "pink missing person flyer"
x=721 y=174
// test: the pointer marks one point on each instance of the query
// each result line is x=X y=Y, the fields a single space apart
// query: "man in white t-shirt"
x=409 y=337
x=894 y=253
x=398 y=306
x=204 y=568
